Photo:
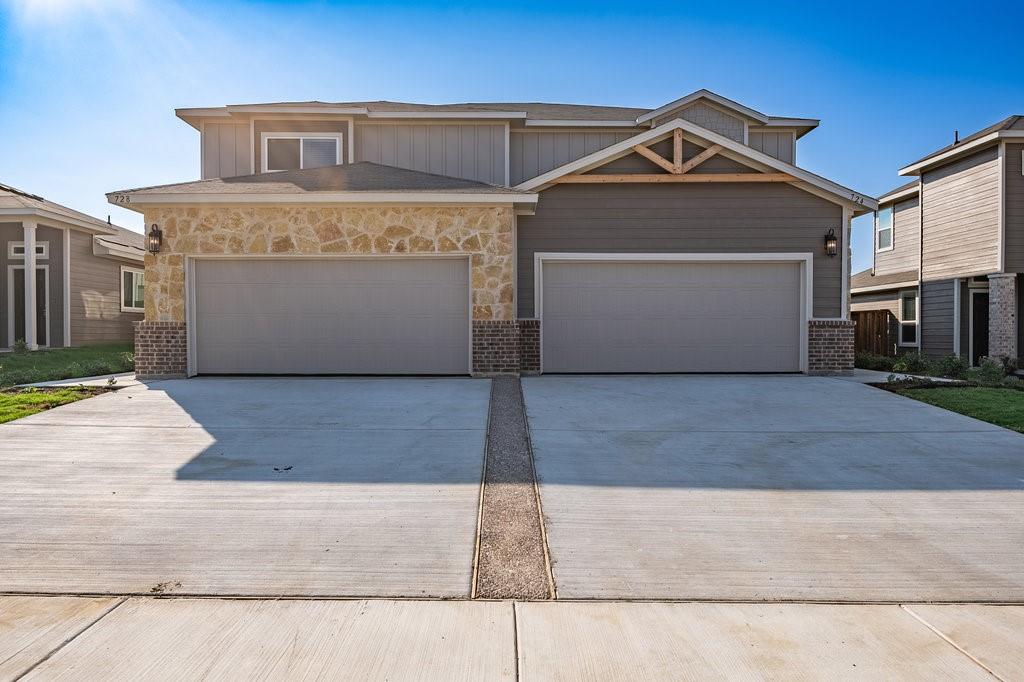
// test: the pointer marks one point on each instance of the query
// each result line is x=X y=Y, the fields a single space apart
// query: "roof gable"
x=716 y=144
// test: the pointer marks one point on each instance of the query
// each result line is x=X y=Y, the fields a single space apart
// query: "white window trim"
x=11 y=274
x=916 y=322
x=892 y=230
x=134 y=271
x=309 y=135
x=42 y=250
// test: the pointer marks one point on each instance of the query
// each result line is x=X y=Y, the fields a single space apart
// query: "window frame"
x=891 y=230
x=915 y=323
x=134 y=271
x=310 y=135
x=42 y=250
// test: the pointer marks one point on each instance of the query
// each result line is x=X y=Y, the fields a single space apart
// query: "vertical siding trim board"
x=956 y=317
x=806 y=261
x=1002 y=207
x=66 y=253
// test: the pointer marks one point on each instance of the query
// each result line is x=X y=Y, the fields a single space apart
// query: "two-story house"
x=387 y=237
x=949 y=249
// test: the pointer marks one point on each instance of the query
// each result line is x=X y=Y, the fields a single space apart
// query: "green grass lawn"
x=21 y=402
x=1001 y=406
x=65 y=363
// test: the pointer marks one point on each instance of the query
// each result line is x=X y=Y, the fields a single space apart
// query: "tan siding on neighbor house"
x=459 y=150
x=535 y=152
x=961 y=217
x=96 y=315
x=780 y=145
x=886 y=300
x=681 y=218
x=1014 y=209
x=906 y=240
x=225 y=150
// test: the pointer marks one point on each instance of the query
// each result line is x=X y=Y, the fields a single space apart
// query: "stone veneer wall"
x=830 y=346
x=1002 y=315
x=483 y=232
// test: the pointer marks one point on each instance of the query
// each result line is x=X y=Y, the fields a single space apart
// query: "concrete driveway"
x=772 y=488
x=247 y=487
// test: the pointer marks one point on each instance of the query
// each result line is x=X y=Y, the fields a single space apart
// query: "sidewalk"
x=180 y=638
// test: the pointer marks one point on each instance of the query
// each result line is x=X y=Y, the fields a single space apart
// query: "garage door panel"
x=671 y=317
x=327 y=316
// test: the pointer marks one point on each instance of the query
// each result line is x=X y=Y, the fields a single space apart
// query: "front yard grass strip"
x=65 y=363
x=21 y=402
x=1000 y=406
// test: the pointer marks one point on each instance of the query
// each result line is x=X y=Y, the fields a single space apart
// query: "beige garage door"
x=671 y=317
x=332 y=316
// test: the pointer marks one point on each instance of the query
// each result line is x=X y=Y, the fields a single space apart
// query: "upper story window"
x=883 y=229
x=133 y=287
x=291 y=151
x=16 y=250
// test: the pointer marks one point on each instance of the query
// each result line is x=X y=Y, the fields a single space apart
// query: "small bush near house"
x=990 y=372
x=950 y=366
x=20 y=347
x=879 y=363
x=912 y=363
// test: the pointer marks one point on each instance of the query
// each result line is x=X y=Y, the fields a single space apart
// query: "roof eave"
x=136 y=201
x=941 y=158
x=98 y=227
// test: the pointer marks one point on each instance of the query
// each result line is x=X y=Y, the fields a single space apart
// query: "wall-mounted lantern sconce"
x=831 y=243
x=155 y=239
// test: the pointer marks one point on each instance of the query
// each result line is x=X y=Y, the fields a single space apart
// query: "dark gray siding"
x=708 y=117
x=937 y=318
x=535 y=152
x=459 y=150
x=55 y=263
x=700 y=218
x=96 y=315
x=1014 y=208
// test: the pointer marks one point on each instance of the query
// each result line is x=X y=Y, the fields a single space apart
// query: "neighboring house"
x=384 y=237
x=949 y=249
x=89 y=275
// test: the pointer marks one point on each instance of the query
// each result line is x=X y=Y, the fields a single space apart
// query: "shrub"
x=20 y=347
x=952 y=366
x=988 y=372
x=911 y=363
x=880 y=363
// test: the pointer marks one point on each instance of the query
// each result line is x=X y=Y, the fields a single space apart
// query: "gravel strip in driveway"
x=512 y=562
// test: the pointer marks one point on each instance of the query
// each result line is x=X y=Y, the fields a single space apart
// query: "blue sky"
x=88 y=87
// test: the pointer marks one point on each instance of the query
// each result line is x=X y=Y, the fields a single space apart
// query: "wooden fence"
x=875 y=332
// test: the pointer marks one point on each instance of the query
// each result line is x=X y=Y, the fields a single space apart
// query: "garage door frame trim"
x=190 y=287
x=804 y=259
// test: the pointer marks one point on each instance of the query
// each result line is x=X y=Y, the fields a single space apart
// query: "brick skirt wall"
x=529 y=346
x=160 y=349
x=830 y=346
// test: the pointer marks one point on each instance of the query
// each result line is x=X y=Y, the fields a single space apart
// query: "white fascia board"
x=204 y=112
x=565 y=123
x=135 y=200
x=885 y=287
x=114 y=251
x=447 y=114
x=896 y=196
x=273 y=109
x=792 y=123
x=916 y=168
x=847 y=196
x=42 y=214
x=706 y=94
